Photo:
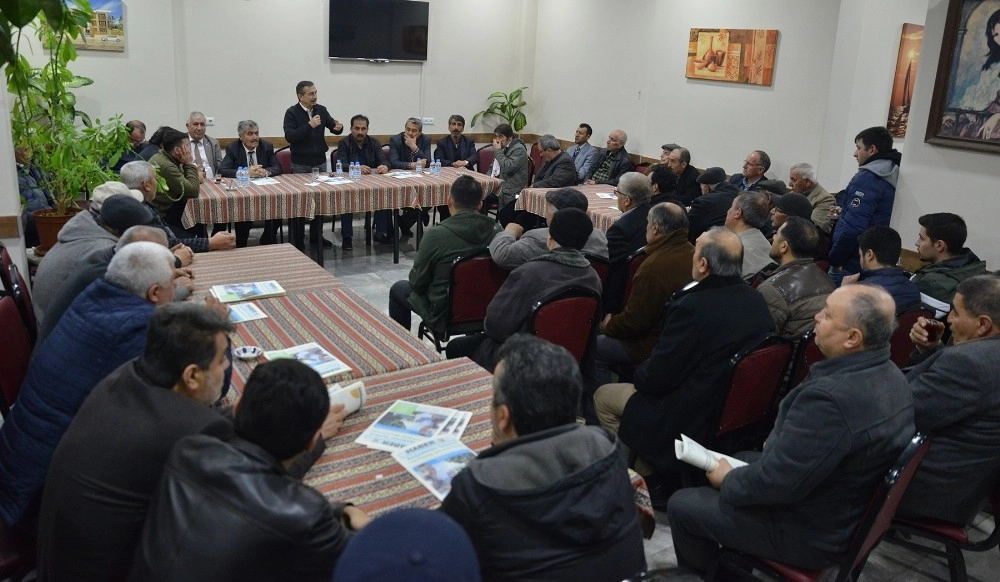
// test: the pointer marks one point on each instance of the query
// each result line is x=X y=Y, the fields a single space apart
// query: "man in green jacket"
x=175 y=163
x=464 y=233
x=942 y=242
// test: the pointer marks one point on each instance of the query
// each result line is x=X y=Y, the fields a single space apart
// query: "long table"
x=374 y=481
x=297 y=196
x=283 y=263
x=603 y=212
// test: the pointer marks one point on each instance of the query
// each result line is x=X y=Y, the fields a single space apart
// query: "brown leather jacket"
x=795 y=293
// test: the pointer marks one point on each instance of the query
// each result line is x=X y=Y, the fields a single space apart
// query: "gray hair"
x=548 y=142
x=416 y=121
x=668 y=217
x=196 y=114
x=684 y=155
x=139 y=266
x=244 y=125
x=873 y=311
x=981 y=295
x=624 y=136
x=133 y=174
x=139 y=233
x=636 y=186
x=754 y=206
x=805 y=171
x=719 y=255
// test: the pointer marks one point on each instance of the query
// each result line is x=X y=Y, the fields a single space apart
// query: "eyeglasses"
x=620 y=193
x=749 y=163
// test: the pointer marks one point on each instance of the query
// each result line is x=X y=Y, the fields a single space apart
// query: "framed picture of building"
x=965 y=106
x=732 y=55
x=106 y=31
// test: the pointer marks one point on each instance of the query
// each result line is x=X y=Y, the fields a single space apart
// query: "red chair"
x=758 y=374
x=900 y=344
x=807 y=354
x=633 y=261
x=642 y=168
x=953 y=536
x=16 y=348
x=284 y=157
x=334 y=154
x=14 y=285
x=568 y=319
x=874 y=523
x=485 y=160
x=535 y=155
x=473 y=283
x=602 y=266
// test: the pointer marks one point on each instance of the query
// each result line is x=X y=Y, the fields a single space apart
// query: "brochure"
x=404 y=424
x=435 y=462
x=692 y=453
x=316 y=357
x=245 y=291
x=248 y=311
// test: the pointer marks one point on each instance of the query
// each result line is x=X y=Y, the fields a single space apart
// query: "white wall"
x=940 y=179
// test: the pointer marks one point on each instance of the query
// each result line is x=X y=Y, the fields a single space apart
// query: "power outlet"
x=210 y=121
x=428 y=120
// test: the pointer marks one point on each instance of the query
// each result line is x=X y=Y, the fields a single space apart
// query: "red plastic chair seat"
x=953 y=531
x=568 y=319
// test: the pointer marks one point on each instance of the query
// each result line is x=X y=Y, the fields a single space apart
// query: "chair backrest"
x=602 y=266
x=16 y=348
x=757 y=376
x=567 y=318
x=474 y=281
x=15 y=286
x=900 y=344
x=485 y=162
x=535 y=155
x=807 y=353
x=284 y=157
x=334 y=154
x=633 y=261
x=882 y=507
x=642 y=168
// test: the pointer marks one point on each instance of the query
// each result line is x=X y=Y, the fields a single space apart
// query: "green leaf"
x=19 y=12
x=519 y=121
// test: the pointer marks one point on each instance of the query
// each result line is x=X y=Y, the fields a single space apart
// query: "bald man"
x=799 y=501
x=614 y=162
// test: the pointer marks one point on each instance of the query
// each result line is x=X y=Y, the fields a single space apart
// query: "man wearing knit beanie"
x=563 y=266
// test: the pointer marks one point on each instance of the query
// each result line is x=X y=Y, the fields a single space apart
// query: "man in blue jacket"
x=867 y=200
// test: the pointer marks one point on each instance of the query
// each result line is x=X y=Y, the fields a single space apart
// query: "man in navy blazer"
x=258 y=155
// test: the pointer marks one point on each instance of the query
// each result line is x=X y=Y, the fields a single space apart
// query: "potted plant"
x=506 y=106
x=73 y=152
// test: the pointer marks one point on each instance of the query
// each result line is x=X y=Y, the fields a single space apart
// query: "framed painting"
x=732 y=55
x=106 y=30
x=904 y=79
x=965 y=106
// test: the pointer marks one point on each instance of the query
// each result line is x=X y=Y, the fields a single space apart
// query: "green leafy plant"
x=73 y=151
x=506 y=106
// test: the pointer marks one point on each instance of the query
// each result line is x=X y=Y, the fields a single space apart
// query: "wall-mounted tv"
x=378 y=30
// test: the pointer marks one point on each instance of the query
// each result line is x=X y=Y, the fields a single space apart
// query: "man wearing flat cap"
x=561 y=267
x=710 y=208
x=514 y=246
x=787 y=205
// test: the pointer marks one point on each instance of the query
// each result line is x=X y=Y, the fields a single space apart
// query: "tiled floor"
x=370 y=271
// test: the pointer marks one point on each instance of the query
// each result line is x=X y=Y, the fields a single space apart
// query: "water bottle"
x=353 y=170
x=357 y=170
x=340 y=169
x=419 y=166
x=243 y=176
x=437 y=167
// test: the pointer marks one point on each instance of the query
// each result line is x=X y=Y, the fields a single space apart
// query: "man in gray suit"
x=205 y=151
x=956 y=397
x=800 y=500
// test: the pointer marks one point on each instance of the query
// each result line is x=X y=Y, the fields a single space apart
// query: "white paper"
x=404 y=424
x=607 y=195
x=233 y=292
x=435 y=462
x=240 y=312
x=335 y=181
x=456 y=426
x=692 y=453
x=264 y=181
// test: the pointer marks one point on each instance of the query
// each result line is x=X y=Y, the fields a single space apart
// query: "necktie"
x=253 y=159
x=198 y=160
x=576 y=152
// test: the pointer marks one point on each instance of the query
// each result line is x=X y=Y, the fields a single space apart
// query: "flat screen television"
x=378 y=30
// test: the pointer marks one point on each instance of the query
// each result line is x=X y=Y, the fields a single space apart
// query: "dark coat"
x=104 y=328
x=515 y=170
x=894 y=280
x=867 y=201
x=308 y=144
x=552 y=505
x=956 y=398
x=559 y=173
x=105 y=471
x=370 y=153
x=710 y=209
x=834 y=440
x=682 y=386
x=399 y=152
x=688 y=188
x=620 y=163
x=449 y=153
x=236 y=156
x=229 y=511
x=625 y=236
x=666 y=269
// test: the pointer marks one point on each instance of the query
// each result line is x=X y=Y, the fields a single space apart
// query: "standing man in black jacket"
x=304 y=131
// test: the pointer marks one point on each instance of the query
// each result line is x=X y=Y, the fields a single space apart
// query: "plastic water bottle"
x=243 y=176
x=436 y=168
x=419 y=166
x=354 y=170
x=340 y=169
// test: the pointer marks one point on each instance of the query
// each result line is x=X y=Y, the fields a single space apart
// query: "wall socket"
x=428 y=120
x=209 y=121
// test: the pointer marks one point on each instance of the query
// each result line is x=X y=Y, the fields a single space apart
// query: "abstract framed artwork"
x=732 y=55
x=904 y=79
x=965 y=106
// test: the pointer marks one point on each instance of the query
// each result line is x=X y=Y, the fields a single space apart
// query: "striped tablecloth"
x=602 y=211
x=284 y=263
x=341 y=321
x=375 y=482
x=292 y=197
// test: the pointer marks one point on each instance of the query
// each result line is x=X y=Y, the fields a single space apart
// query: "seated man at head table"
x=228 y=509
x=407 y=149
x=551 y=499
x=465 y=233
x=205 y=150
x=104 y=327
x=799 y=501
x=514 y=246
x=367 y=151
x=257 y=155
x=956 y=398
